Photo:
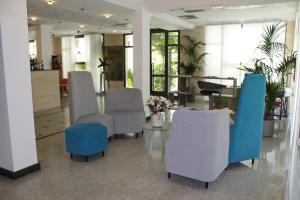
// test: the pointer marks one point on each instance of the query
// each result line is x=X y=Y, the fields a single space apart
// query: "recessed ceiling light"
x=114 y=31
x=242 y=7
x=33 y=18
x=107 y=15
x=216 y=7
x=50 y=2
x=81 y=26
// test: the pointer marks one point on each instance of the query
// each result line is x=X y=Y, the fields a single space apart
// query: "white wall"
x=17 y=134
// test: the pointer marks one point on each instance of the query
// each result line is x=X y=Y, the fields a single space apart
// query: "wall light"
x=50 y=2
x=107 y=15
x=33 y=18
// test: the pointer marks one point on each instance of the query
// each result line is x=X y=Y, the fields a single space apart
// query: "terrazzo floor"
x=127 y=172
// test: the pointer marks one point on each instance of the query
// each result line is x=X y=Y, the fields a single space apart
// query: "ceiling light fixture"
x=242 y=7
x=50 y=3
x=81 y=26
x=217 y=7
x=107 y=15
x=33 y=18
x=114 y=31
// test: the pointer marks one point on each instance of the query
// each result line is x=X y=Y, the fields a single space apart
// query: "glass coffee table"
x=152 y=130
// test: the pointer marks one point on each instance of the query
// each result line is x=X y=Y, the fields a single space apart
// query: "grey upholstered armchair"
x=83 y=101
x=127 y=108
x=198 y=145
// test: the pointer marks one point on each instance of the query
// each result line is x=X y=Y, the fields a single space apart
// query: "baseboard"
x=20 y=173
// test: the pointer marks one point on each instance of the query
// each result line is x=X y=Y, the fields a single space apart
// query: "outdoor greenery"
x=129 y=78
x=273 y=64
x=158 y=59
x=194 y=60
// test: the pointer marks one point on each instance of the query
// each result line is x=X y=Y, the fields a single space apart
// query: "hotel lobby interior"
x=154 y=100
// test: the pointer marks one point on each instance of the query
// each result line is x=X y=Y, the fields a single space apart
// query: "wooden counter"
x=45 y=90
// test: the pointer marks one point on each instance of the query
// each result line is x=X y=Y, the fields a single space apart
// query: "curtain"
x=93 y=53
x=231 y=46
x=92 y=50
x=68 y=55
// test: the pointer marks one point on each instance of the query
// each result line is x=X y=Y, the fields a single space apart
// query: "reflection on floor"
x=128 y=172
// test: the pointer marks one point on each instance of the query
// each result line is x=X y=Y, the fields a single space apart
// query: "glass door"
x=164 y=61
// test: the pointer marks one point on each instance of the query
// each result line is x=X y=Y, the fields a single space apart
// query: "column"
x=141 y=51
x=18 y=154
x=44 y=44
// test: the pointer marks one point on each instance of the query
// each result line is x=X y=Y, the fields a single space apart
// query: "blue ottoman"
x=86 y=139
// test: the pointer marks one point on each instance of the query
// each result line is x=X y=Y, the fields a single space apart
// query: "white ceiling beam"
x=170 y=19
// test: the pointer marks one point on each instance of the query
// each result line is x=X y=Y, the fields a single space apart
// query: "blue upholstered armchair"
x=246 y=132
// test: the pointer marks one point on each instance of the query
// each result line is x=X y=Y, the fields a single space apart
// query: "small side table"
x=152 y=129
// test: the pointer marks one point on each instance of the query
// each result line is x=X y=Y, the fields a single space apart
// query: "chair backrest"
x=203 y=136
x=123 y=99
x=82 y=95
x=250 y=113
x=194 y=127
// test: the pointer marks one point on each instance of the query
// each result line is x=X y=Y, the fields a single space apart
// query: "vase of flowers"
x=157 y=106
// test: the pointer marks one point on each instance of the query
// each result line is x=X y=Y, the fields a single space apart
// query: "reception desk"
x=45 y=90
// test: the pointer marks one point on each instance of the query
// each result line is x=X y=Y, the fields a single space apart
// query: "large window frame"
x=166 y=66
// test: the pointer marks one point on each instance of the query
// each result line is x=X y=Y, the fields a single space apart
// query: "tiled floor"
x=127 y=172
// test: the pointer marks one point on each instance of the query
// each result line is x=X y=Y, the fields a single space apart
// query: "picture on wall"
x=115 y=57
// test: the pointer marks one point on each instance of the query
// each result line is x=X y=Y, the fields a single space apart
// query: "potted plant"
x=103 y=72
x=193 y=59
x=157 y=105
x=271 y=47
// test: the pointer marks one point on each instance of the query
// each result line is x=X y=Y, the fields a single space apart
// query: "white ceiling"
x=66 y=15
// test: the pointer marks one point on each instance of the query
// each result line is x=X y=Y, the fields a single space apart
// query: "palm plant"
x=193 y=58
x=272 y=48
x=286 y=66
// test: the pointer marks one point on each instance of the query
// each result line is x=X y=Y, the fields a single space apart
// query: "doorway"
x=164 y=61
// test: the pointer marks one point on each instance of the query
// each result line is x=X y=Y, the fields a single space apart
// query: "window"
x=32 y=49
x=128 y=44
x=230 y=46
x=80 y=53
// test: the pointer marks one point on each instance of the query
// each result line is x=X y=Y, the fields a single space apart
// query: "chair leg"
x=142 y=132
x=71 y=155
x=252 y=162
x=102 y=153
x=206 y=185
x=86 y=158
x=137 y=135
x=169 y=175
x=116 y=136
x=109 y=139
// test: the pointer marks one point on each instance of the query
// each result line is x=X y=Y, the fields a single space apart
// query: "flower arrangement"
x=158 y=104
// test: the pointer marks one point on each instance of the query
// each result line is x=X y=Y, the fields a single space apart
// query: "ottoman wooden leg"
x=86 y=158
x=102 y=153
x=137 y=135
x=71 y=155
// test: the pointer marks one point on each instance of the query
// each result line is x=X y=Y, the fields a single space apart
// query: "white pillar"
x=44 y=44
x=17 y=134
x=141 y=51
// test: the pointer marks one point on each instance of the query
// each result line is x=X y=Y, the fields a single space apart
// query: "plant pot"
x=268 y=128
x=190 y=98
x=158 y=120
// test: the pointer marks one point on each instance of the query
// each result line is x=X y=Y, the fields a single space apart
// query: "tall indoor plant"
x=271 y=50
x=192 y=59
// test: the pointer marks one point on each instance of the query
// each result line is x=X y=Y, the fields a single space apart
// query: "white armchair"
x=198 y=145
